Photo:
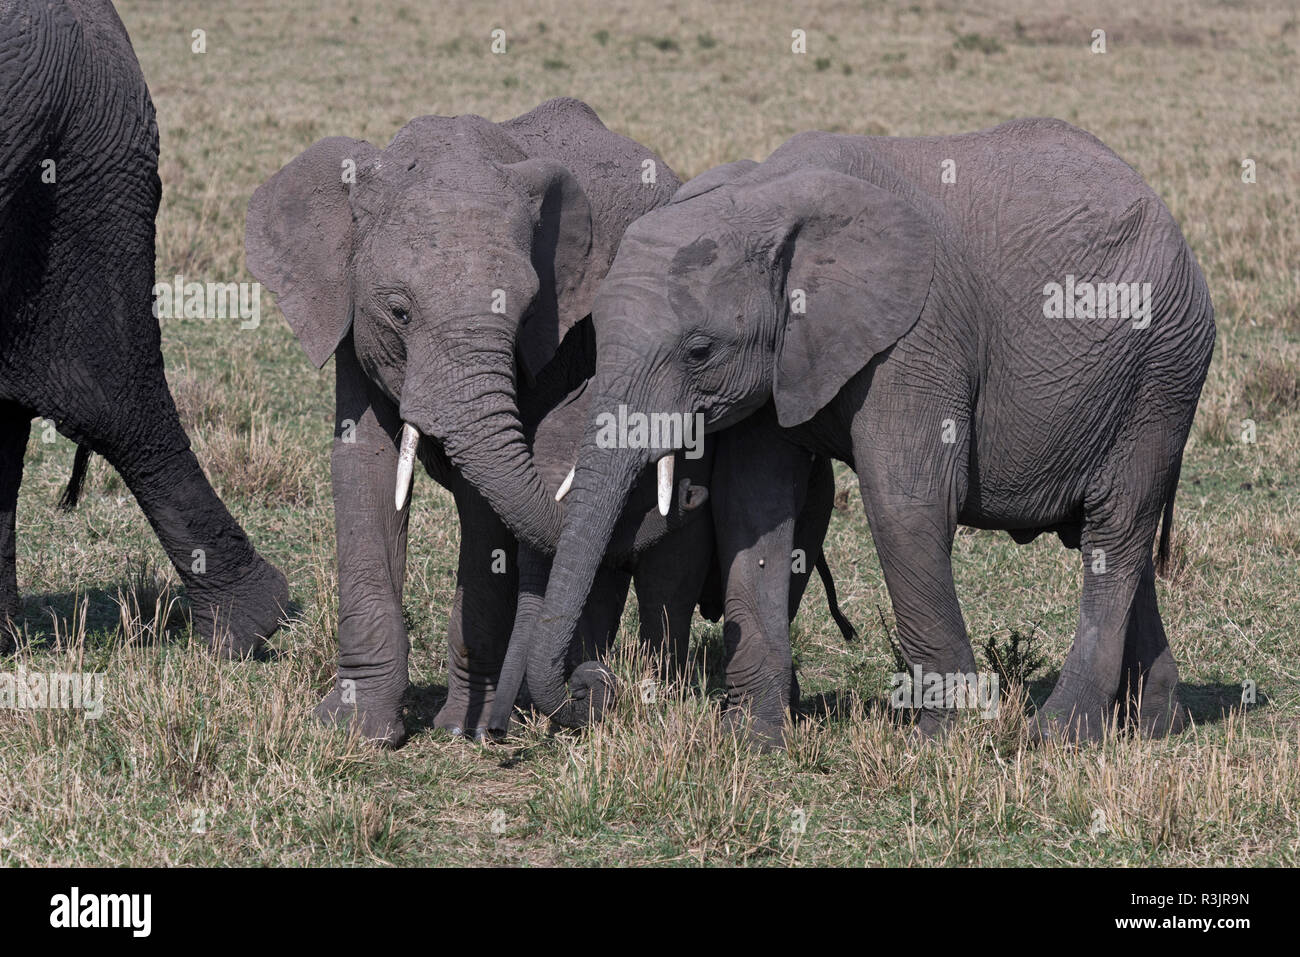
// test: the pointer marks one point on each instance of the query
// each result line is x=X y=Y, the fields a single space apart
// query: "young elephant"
x=673 y=567
x=79 y=343
x=1019 y=345
x=449 y=275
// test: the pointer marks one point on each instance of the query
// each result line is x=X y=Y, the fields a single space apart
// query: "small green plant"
x=1016 y=660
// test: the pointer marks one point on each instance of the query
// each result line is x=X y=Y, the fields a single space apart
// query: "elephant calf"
x=450 y=275
x=1018 y=346
x=79 y=343
x=674 y=564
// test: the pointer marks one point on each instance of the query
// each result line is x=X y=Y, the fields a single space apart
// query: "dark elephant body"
x=898 y=302
x=79 y=343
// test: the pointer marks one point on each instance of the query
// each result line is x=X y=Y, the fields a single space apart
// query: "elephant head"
x=457 y=256
x=757 y=283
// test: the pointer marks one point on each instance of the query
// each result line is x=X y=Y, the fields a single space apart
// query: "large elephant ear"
x=858 y=262
x=297 y=238
x=711 y=179
x=564 y=254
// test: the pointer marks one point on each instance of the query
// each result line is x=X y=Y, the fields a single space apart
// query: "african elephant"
x=673 y=568
x=79 y=343
x=1002 y=329
x=450 y=275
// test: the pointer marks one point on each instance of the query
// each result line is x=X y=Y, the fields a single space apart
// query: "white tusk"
x=566 y=484
x=665 y=483
x=405 y=464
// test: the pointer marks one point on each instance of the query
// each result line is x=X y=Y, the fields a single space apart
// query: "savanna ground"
x=200 y=762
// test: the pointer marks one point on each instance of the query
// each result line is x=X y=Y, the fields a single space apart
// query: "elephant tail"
x=832 y=600
x=78 y=478
x=1166 y=530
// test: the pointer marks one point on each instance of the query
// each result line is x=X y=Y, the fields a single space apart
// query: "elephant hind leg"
x=1149 y=681
x=1119 y=636
x=15 y=426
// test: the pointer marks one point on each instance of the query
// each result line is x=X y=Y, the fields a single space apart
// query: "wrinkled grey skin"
x=450 y=277
x=924 y=360
x=79 y=343
x=668 y=562
x=672 y=568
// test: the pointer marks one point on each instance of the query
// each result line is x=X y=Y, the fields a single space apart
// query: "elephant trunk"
x=479 y=427
x=601 y=484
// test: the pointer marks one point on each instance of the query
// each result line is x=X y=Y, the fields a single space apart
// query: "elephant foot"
x=465 y=715
x=1158 y=713
x=933 y=724
x=238 y=623
x=1156 y=722
x=1073 y=718
x=760 y=735
x=467 y=711
x=1152 y=707
x=377 y=720
x=758 y=717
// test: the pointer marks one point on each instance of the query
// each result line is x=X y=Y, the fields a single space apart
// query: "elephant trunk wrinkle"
x=481 y=432
x=596 y=501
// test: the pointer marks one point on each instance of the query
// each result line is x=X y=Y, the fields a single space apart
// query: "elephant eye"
x=399 y=310
x=699 y=351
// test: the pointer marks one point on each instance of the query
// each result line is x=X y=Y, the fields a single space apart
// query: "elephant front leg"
x=759 y=481
x=482 y=614
x=669 y=578
x=371 y=533
x=15 y=426
x=912 y=466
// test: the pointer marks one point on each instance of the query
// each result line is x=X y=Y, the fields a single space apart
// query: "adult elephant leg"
x=371 y=537
x=482 y=614
x=105 y=387
x=1121 y=511
x=669 y=578
x=15 y=426
x=759 y=481
x=1149 y=682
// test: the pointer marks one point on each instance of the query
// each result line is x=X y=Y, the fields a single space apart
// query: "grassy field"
x=200 y=762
